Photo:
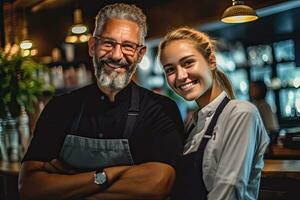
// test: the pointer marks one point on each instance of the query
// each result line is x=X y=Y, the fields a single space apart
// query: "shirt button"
x=100 y=135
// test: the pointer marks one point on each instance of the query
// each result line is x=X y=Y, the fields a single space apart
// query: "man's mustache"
x=114 y=62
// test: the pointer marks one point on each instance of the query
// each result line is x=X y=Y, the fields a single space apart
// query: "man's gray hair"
x=121 y=11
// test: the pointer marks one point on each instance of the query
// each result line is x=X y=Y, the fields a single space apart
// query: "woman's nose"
x=181 y=73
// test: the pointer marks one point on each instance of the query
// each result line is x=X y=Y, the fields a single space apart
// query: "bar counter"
x=279 y=168
x=280 y=177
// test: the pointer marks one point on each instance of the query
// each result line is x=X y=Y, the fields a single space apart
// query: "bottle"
x=24 y=130
x=3 y=150
x=12 y=137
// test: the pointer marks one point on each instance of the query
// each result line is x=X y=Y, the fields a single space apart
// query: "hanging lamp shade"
x=78 y=32
x=239 y=13
x=26 y=43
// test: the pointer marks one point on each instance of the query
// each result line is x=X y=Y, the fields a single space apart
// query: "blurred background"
x=266 y=49
x=54 y=33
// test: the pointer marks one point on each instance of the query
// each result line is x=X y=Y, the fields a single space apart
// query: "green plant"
x=20 y=84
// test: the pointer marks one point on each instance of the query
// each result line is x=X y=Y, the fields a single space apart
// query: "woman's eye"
x=169 y=70
x=188 y=63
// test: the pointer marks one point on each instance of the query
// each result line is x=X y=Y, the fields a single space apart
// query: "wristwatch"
x=100 y=178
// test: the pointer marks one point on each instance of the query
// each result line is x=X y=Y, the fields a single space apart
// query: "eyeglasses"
x=127 y=48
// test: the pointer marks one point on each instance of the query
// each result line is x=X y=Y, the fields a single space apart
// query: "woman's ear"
x=212 y=62
x=91 y=44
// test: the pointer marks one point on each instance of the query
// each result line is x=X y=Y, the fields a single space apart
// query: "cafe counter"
x=280 y=176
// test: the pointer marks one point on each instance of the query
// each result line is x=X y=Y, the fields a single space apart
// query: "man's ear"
x=91 y=44
x=141 y=53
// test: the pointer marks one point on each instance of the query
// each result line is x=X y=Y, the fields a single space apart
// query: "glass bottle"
x=24 y=129
x=12 y=137
x=3 y=149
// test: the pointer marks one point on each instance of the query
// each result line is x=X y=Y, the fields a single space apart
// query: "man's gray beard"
x=114 y=80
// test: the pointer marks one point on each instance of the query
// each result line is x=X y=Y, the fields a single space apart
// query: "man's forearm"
x=145 y=181
x=36 y=183
x=42 y=185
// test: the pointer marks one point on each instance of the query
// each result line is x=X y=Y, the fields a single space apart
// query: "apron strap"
x=189 y=130
x=209 y=132
x=133 y=111
x=77 y=119
x=132 y=115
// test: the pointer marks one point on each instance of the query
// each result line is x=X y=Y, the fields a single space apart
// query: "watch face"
x=100 y=178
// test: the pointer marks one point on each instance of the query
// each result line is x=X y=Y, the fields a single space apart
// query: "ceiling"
x=49 y=20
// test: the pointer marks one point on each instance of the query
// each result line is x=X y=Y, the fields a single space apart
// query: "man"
x=258 y=92
x=110 y=140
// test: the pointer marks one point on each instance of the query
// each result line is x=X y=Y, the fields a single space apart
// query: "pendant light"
x=239 y=13
x=26 y=43
x=78 y=32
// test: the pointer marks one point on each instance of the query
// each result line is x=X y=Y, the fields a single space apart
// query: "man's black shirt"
x=156 y=135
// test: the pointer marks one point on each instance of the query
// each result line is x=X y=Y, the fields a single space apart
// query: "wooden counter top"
x=271 y=167
x=282 y=168
x=281 y=152
x=9 y=167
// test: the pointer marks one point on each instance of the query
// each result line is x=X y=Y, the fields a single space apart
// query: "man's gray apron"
x=85 y=154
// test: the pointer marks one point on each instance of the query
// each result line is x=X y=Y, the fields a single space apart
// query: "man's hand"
x=56 y=166
x=147 y=181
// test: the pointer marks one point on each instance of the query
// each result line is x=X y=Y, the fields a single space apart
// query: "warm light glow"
x=26 y=52
x=71 y=39
x=26 y=44
x=77 y=38
x=7 y=48
x=34 y=52
x=84 y=38
x=239 y=13
x=78 y=33
x=239 y=19
x=14 y=49
x=79 y=29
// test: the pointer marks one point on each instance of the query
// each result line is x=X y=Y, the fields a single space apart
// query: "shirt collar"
x=121 y=96
x=200 y=115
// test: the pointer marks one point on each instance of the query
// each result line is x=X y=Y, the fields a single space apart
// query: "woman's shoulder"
x=241 y=107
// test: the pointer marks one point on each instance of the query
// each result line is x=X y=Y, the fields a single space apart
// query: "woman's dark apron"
x=189 y=183
x=85 y=154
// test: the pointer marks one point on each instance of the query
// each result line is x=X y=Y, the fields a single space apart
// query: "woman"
x=225 y=140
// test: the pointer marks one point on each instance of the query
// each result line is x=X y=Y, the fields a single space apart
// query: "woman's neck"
x=209 y=95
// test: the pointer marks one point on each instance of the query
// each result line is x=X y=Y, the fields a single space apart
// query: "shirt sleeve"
x=48 y=133
x=244 y=144
x=166 y=130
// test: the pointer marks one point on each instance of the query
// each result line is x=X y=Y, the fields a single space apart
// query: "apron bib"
x=189 y=184
x=85 y=154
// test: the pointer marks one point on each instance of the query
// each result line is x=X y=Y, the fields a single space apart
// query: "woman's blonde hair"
x=205 y=45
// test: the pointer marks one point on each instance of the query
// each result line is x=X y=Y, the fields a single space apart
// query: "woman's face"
x=187 y=71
